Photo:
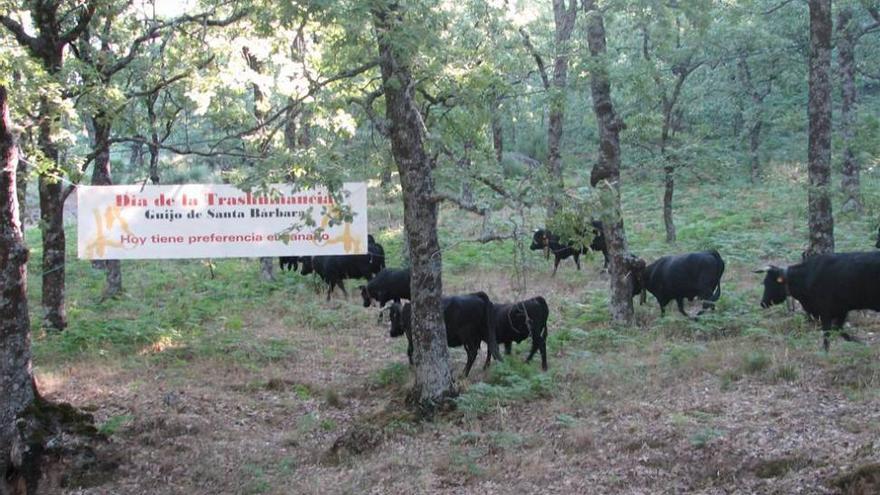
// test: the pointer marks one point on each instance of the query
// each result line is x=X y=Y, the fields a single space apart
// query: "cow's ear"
x=764 y=269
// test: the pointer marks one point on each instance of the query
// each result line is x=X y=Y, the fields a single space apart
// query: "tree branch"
x=22 y=37
x=81 y=24
x=542 y=69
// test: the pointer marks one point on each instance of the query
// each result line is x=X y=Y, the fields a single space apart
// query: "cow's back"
x=830 y=284
x=685 y=275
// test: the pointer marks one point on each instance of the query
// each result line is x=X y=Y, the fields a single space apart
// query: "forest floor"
x=229 y=385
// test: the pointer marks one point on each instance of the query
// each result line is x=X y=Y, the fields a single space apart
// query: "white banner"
x=217 y=221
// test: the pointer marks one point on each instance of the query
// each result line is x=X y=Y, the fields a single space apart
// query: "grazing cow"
x=468 y=323
x=680 y=277
x=519 y=321
x=549 y=242
x=828 y=286
x=334 y=269
x=377 y=254
x=289 y=262
x=388 y=285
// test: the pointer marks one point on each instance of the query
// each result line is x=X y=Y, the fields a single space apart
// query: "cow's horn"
x=764 y=269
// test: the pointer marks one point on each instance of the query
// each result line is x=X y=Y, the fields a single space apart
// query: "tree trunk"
x=821 y=220
x=497 y=130
x=668 y=190
x=433 y=376
x=16 y=378
x=101 y=177
x=564 y=17
x=850 y=169
x=606 y=172
x=22 y=180
x=754 y=145
x=153 y=145
x=136 y=158
x=51 y=224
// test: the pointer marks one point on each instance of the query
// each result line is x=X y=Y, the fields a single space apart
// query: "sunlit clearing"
x=163 y=344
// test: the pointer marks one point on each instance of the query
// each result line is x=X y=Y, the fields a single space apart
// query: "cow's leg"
x=680 y=303
x=662 y=304
x=472 y=351
x=330 y=286
x=826 y=331
x=577 y=260
x=556 y=265
x=342 y=286
x=488 y=358
x=508 y=348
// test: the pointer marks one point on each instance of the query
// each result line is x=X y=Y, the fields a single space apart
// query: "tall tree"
x=757 y=92
x=849 y=32
x=433 y=376
x=606 y=172
x=16 y=376
x=847 y=38
x=58 y=24
x=821 y=219
x=564 y=17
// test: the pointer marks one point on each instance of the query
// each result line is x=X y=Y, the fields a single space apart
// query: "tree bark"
x=21 y=184
x=757 y=96
x=850 y=181
x=153 y=144
x=754 y=146
x=16 y=376
x=497 y=130
x=564 y=16
x=51 y=224
x=668 y=190
x=101 y=177
x=606 y=172
x=821 y=219
x=433 y=377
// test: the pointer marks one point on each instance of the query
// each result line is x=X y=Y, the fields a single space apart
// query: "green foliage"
x=508 y=382
x=392 y=375
x=114 y=424
x=756 y=362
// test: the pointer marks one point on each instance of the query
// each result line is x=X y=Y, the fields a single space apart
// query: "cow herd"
x=827 y=286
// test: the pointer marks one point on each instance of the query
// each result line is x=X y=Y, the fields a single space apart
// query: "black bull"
x=828 y=286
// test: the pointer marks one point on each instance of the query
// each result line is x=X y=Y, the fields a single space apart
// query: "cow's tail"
x=489 y=322
x=716 y=294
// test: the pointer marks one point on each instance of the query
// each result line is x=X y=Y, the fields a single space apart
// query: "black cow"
x=389 y=285
x=468 y=323
x=680 y=277
x=333 y=269
x=545 y=240
x=878 y=239
x=519 y=321
x=828 y=286
x=289 y=262
x=377 y=254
